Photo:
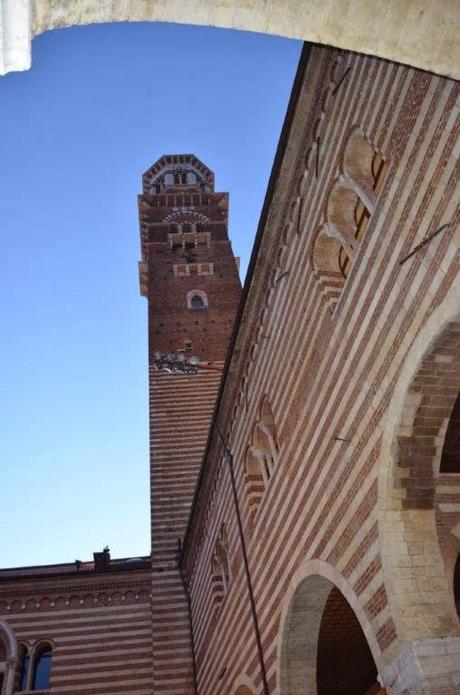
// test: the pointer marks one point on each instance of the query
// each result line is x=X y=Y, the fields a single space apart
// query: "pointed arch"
x=358 y=161
x=301 y=623
x=267 y=424
x=220 y=569
x=341 y=208
x=255 y=485
x=326 y=265
x=350 y=205
x=261 y=456
x=41 y=662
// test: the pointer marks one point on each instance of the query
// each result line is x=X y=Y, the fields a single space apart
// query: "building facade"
x=77 y=628
x=305 y=472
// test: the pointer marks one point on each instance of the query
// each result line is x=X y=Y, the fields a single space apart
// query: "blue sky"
x=99 y=106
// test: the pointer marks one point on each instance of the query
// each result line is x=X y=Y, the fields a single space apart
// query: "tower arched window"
x=351 y=204
x=197 y=299
x=42 y=667
x=197 y=302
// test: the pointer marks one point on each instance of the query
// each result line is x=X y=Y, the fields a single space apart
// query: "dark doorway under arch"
x=457 y=585
x=450 y=459
x=345 y=664
x=324 y=650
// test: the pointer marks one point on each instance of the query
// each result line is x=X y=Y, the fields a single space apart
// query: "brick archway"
x=323 y=623
x=426 y=414
x=407 y=38
x=419 y=589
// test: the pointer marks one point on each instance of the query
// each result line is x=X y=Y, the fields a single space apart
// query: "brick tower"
x=190 y=277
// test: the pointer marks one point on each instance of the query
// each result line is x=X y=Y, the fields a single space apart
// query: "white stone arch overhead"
x=402 y=31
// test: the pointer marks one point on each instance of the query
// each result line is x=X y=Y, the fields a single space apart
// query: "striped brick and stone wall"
x=181 y=408
x=352 y=534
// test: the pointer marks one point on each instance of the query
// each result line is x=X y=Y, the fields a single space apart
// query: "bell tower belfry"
x=189 y=275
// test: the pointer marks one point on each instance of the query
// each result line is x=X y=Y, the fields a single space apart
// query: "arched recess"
x=420 y=590
x=261 y=456
x=326 y=265
x=359 y=168
x=351 y=202
x=263 y=451
x=220 y=569
x=341 y=208
x=244 y=686
x=268 y=426
x=8 y=658
x=326 y=641
x=255 y=484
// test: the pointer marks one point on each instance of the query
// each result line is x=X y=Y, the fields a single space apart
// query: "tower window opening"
x=197 y=302
x=180 y=178
x=196 y=299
